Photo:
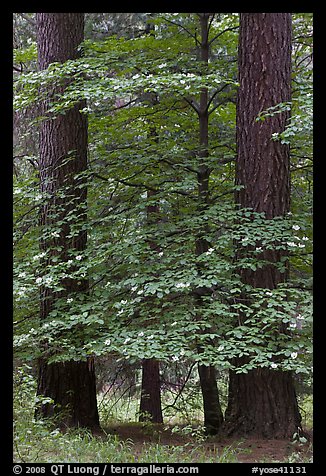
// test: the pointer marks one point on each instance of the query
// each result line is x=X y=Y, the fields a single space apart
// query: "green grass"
x=37 y=441
x=81 y=447
x=306 y=410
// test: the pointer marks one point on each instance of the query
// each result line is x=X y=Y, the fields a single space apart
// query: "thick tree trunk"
x=72 y=386
x=150 y=401
x=263 y=401
x=63 y=154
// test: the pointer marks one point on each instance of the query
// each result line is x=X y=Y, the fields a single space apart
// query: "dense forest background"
x=162 y=230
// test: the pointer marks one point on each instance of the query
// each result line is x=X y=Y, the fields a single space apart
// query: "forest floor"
x=245 y=450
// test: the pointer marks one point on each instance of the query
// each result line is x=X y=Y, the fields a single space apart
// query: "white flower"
x=162 y=65
x=41 y=255
x=305 y=238
x=209 y=251
x=273 y=365
x=291 y=243
x=259 y=248
x=293 y=325
x=175 y=358
x=21 y=292
x=182 y=285
x=127 y=340
x=38 y=280
x=160 y=253
x=141 y=334
x=174 y=323
x=296 y=227
x=300 y=317
x=107 y=342
x=69 y=300
x=78 y=257
x=294 y=355
x=22 y=275
x=134 y=288
x=269 y=293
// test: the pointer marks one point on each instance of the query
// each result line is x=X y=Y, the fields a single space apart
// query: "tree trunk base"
x=150 y=400
x=263 y=404
x=213 y=416
x=72 y=387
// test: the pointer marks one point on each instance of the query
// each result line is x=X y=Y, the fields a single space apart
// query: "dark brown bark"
x=263 y=402
x=62 y=154
x=72 y=386
x=213 y=416
x=150 y=402
x=265 y=80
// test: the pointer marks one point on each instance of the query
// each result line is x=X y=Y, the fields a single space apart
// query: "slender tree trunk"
x=263 y=401
x=63 y=154
x=213 y=416
x=150 y=398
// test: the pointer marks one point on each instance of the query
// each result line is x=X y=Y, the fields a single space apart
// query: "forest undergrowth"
x=181 y=439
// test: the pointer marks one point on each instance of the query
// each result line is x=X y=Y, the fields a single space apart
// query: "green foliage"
x=143 y=270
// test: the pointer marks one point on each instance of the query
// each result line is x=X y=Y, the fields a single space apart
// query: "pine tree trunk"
x=72 y=386
x=150 y=401
x=63 y=153
x=263 y=402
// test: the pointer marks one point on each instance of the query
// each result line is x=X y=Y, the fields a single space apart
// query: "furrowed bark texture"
x=265 y=81
x=150 y=400
x=263 y=402
x=62 y=154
